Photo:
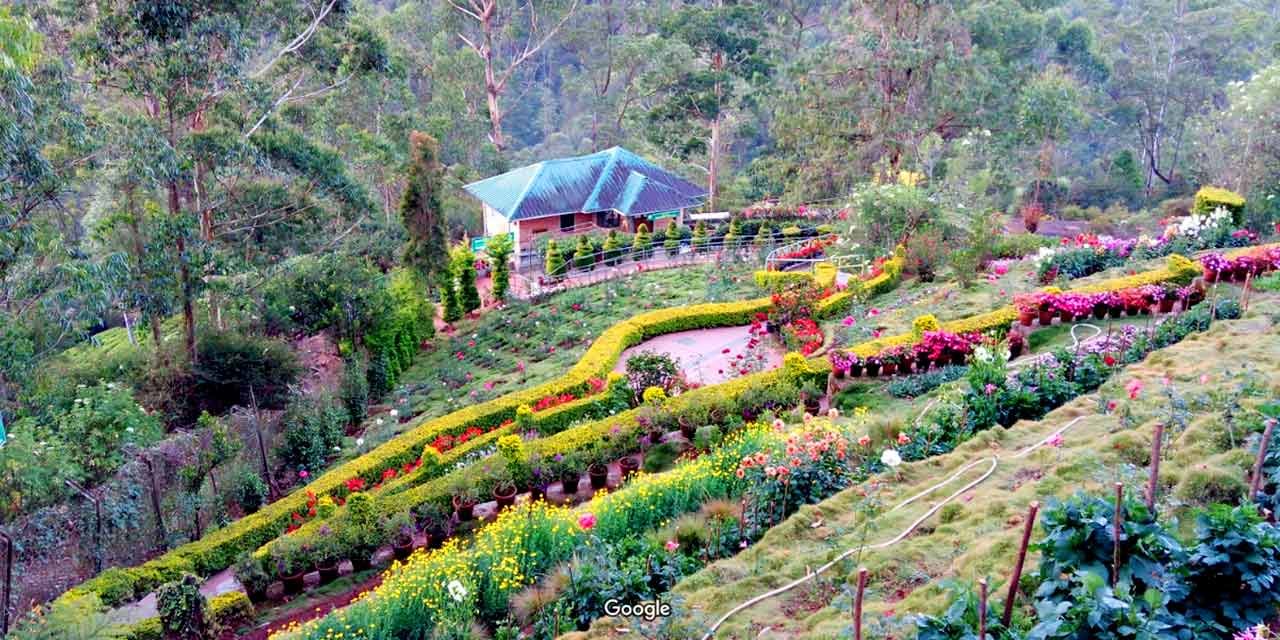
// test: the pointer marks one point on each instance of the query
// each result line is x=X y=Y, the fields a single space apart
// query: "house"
x=614 y=188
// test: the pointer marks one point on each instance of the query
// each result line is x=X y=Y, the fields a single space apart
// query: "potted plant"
x=290 y=559
x=598 y=469
x=687 y=427
x=570 y=473
x=252 y=574
x=539 y=479
x=326 y=554
x=433 y=520
x=811 y=395
x=872 y=364
x=504 y=492
x=841 y=362
x=465 y=499
x=401 y=527
x=889 y=360
x=1028 y=306
x=1192 y=296
x=855 y=366
x=360 y=530
x=1168 y=296
x=629 y=465
x=1016 y=342
x=1215 y=265
x=1046 y=309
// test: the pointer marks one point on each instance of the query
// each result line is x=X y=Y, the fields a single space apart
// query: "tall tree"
x=427 y=251
x=728 y=51
x=1047 y=110
x=504 y=43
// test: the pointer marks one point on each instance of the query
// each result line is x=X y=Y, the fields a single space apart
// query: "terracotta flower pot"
x=1026 y=318
x=1100 y=311
x=1131 y=310
x=361 y=562
x=629 y=465
x=904 y=367
x=873 y=370
x=1114 y=311
x=1046 y=317
x=1166 y=305
x=293 y=584
x=1210 y=276
x=569 y=483
x=537 y=493
x=957 y=358
x=328 y=573
x=402 y=549
x=599 y=475
x=889 y=368
x=688 y=429
x=855 y=370
x=465 y=508
x=504 y=498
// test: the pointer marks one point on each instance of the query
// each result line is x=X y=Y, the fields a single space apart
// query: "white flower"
x=359 y=442
x=394 y=413
x=890 y=458
x=378 y=422
x=982 y=354
x=457 y=591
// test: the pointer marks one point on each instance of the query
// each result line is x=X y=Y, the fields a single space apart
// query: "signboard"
x=478 y=244
x=713 y=215
x=664 y=214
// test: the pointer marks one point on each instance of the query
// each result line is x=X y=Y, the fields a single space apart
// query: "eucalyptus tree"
x=209 y=81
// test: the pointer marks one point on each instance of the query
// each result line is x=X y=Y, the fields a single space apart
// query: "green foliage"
x=671 y=239
x=642 y=244
x=231 y=364
x=355 y=389
x=35 y=463
x=764 y=237
x=584 y=258
x=360 y=529
x=421 y=211
x=700 y=237
x=555 y=266
x=249 y=491
x=314 y=293
x=464 y=269
x=449 y=297
x=648 y=369
x=312 y=431
x=914 y=386
x=612 y=248
x=500 y=248
x=893 y=212
x=77 y=617
x=184 y=613
x=102 y=421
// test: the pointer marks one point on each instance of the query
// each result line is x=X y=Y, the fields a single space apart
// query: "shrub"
x=230 y=364
x=500 y=248
x=671 y=241
x=355 y=389
x=700 y=238
x=583 y=256
x=642 y=244
x=449 y=298
x=1132 y=448
x=925 y=253
x=249 y=491
x=100 y=424
x=1235 y=568
x=1018 y=245
x=661 y=457
x=314 y=293
x=464 y=268
x=312 y=430
x=394 y=340
x=1210 y=198
x=914 y=386
x=648 y=369
x=555 y=264
x=612 y=248
x=184 y=613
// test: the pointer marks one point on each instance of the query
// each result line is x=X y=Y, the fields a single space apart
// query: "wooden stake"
x=1244 y=297
x=1255 y=480
x=1115 y=535
x=1153 y=483
x=1032 y=510
x=982 y=609
x=857 y=603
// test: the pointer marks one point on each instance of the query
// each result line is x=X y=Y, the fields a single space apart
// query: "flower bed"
x=1241 y=265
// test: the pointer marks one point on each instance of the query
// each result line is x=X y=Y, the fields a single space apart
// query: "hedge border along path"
x=218 y=550
x=1178 y=269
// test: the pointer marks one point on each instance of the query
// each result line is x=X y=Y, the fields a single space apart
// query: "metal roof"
x=611 y=180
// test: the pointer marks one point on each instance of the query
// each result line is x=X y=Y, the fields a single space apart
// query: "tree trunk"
x=184 y=268
x=713 y=165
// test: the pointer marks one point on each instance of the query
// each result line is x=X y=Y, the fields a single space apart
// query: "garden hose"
x=993 y=461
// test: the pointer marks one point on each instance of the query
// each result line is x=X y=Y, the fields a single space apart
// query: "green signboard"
x=664 y=214
x=478 y=244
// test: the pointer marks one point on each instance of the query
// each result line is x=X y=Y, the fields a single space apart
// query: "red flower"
x=355 y=484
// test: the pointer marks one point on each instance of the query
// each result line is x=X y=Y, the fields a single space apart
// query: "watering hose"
x=993 y=461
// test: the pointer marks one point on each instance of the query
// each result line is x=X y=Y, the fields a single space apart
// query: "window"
x=567 y=221
x=608 y=219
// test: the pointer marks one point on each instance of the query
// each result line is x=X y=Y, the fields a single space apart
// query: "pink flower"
x=587 y=521
x=520 y=366
x=873 y=312
x=1204 y=378
x=989 y=389
x=848 y=321
x=904 y=439
x=778 y=424
x=303 y=474
x=1001 y=268
x=1056 y=441
x=1134 y=388
x=488 y=386
x=1111 y=406
x=864 y=441
x=672 y=545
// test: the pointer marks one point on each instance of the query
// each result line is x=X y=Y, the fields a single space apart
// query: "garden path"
x=707 y=356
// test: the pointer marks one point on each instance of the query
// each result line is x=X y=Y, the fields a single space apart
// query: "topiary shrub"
x=355 y=389
x=584 y=258
x=312 y=430
x=249 y=491
x=642 y=244
x=612 y=248
x=671 y=240
x=464 y=268
x=554 y=266
x=922 y=324
x=1209 y=198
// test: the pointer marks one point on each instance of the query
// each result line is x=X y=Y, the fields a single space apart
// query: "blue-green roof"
x=610 y=180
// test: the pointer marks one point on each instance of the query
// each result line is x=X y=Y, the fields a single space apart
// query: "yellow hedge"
x=218 y=549
x=1209 y=198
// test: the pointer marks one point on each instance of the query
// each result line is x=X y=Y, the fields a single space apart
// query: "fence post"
x=8 y=583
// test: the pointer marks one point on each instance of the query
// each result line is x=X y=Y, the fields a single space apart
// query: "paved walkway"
x=707 y=356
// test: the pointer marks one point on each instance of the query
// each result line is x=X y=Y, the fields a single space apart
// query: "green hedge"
x=227 y=611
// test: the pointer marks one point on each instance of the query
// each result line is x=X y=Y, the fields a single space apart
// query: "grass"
x=980 y=536
x=527 y=344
